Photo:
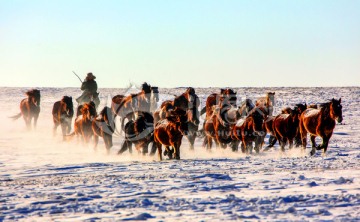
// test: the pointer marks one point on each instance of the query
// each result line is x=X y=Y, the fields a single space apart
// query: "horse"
x=63 y=112
x=169 y=132
x=154 y=98
x=143 y=99
x=30 y=108
x=83 y=122
x=268 y=101
x=249 y=130
x=104 y=126
x=320 y=122
x=92 y=110
x=140 y=133
x=218 y=125
x=285 y=127
x=269 y=126
x=214 y=98
x=186 y=104
x=246 y=107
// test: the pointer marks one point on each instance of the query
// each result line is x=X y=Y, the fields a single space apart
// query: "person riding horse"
x=89 y=88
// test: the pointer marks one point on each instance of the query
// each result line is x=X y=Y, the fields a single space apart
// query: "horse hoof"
x=312 y=152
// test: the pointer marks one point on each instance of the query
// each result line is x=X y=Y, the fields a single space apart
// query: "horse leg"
x=209 y=142
x=63 y=130
x=168 y=152
x=325 y=143
x=312 y=139
x=124 y=147
x=158 y=145
x=272 y=141
x=55 y=128
x=96 y=141
x=235 y=145
x=27 y=122
x=35 y=120
x=108 y=142
x=191 y=137
x=177 y=150
x=303 y=135
x=291 y=143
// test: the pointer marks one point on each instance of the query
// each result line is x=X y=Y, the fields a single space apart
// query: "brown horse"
x=83 y=122
x=285 y=127
x=249 y=130
x=186 y=104
x=63 y=112
x=320 y=122
x=122 y=106
x=214 y=99
x=268 y=101
x=169 y=132
x=218 y=126
x=29 y=108
x=269 y=126
x=104 y=126
x=140 y=133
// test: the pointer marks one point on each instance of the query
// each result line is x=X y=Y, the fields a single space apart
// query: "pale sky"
x=180 y=43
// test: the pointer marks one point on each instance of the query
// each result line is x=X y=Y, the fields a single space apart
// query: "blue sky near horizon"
x=180 y=43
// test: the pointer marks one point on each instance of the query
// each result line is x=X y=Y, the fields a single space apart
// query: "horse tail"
x=203 y=110
x=17 y=116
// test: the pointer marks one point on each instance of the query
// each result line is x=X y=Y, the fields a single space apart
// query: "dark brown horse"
x=63 y=112
x=249 y=130
x=268 y=101
x=169 y=132
x=83 y=122
x=29 y=108
x=320 y=122
x=214 y=99
x=140 y=133
x=104 y=126
x=269 y=126
x=285 y=127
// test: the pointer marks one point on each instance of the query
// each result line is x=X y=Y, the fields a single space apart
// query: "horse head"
x=258 y=116
x=67 y=100
x=34 y=96
x=336 y=110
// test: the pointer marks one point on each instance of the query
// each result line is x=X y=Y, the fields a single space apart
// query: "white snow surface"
x=43 y=178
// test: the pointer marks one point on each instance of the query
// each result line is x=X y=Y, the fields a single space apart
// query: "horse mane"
x=325 y=109
x=33 y=92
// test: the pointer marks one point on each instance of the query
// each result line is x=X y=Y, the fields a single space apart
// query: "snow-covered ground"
x=43 y=178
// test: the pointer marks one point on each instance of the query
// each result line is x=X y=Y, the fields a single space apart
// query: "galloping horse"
x=140 y=133
x=63 y=112
x=169 y=132
x=30 y=108
x=285 y=127
x=104 y=126
x=249 y=130
x=320 y=122
x=83 y=123
x=268 y=101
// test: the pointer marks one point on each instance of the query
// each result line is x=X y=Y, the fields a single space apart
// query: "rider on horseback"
x=89 y=88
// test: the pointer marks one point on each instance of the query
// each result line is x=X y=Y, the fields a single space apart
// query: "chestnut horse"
x=104 y=126
x=249 y=130
x=63 y=112
x=29 y=108
x=140 y=133
x=83 y=122
x=268 y=101
x=169 y=132
x=320 y=122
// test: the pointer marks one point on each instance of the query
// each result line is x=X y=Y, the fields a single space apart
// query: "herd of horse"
x=226 y=123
